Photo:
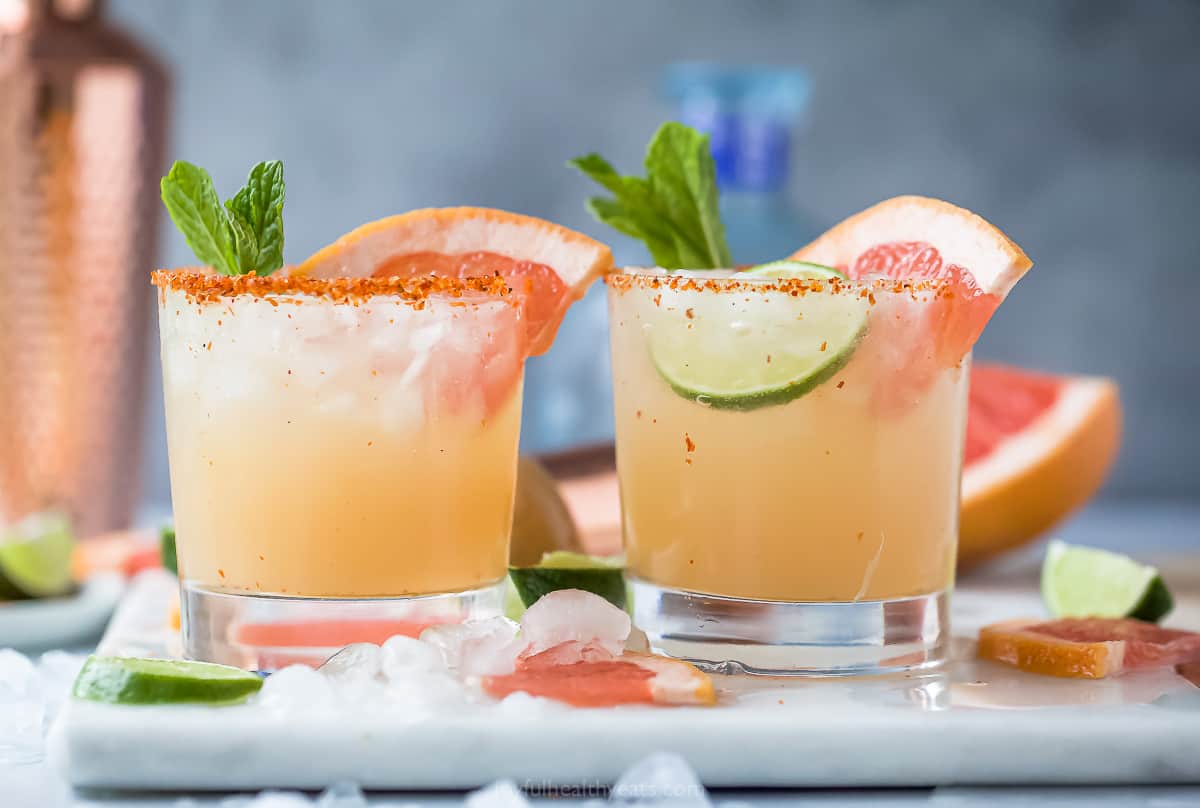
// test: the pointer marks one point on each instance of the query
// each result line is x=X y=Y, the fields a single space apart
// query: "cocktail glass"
x=343 y=457
x=789 y=455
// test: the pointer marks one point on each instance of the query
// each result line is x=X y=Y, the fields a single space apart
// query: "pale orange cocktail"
x=784 y=441
x=340 y=439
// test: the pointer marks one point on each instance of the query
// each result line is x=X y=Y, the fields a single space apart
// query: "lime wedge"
x=130 y=680
x=1086 y=582
x=35 y=557
x=742 y=353
x=565 y=570
x=167 y=551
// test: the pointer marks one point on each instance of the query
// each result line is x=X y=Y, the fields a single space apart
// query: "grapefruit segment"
x=892 y=239
x=548 y=265
x=916 y=238
x=594 y=678
x=1038 y=447
x=1086 y=647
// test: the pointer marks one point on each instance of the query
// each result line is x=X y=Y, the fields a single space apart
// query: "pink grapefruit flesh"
x=916 y=238
x=1038 y=447
x=543 y=295
x=547 y=265
x=1087 y=647
x=585 y=678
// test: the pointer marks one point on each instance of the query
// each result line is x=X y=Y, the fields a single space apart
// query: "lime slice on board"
x=1086 y=582
x=35 y=557
x=564 y=570
x=131 y=680
x=762 y=351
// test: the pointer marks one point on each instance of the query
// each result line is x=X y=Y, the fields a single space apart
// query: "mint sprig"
x=674 y=209
x=245 y=236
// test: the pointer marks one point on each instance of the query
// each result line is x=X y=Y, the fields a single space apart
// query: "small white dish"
x=39 y=624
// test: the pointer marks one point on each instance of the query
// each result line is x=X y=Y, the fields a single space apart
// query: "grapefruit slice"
x=595 y=681
x=913 y=237
x=1038 y=447
x=549 y=266
x=1087 y=647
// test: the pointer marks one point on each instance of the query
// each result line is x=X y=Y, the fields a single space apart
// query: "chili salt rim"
x=626 y=279
x=204 y=285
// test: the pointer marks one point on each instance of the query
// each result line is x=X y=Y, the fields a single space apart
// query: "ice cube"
x=402 y=656
x=342 y=795
x=268 y=799
x=22 y=709
x=477 y=647
x=663 y=779
x=522 y=705
x=637 y=642
x=567 y=653
x=296 y=686
x=17 y=674
x=572 y=615
x=356 y=663
x=338 y=795
x=426 y=689
x=501 y=794
x=57 y=671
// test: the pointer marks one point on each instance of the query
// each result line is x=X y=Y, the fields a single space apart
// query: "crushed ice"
x=479 y=647
x=500 y=794
x=572 y=615
x=338 y=795
x=441 y=667
x=663 y=779
x=30 y=695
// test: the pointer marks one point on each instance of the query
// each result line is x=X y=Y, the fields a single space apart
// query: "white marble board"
x=975 y=723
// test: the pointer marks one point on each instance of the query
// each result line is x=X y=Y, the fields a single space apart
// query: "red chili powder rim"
x=204 y=285
x=627 y=279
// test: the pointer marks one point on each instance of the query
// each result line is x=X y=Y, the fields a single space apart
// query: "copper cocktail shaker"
x=82 y=124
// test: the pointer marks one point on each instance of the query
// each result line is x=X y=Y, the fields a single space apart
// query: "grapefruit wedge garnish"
x=548 y=266
x=916 y=238
x=1087 y=647
x=592 y=677
x=1038 y=447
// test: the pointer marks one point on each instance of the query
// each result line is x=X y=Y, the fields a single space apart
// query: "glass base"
x=267 y=632
x=774 y=638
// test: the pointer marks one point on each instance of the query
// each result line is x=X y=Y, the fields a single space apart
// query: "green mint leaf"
x=192 y=202
x=683 y=176
x=245 y=243
x=674 y=210
x=258 y=210
x=632 y=212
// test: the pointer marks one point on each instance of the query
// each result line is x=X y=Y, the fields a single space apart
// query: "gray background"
x=1075 y=126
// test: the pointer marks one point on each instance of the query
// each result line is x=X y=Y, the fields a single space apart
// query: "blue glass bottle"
x=752 y=115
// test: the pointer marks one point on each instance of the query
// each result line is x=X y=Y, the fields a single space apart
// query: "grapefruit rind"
x=1011 y=643
x=575 y=258
x=1087 y=647
x=961 y=237
x=1034 y=479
